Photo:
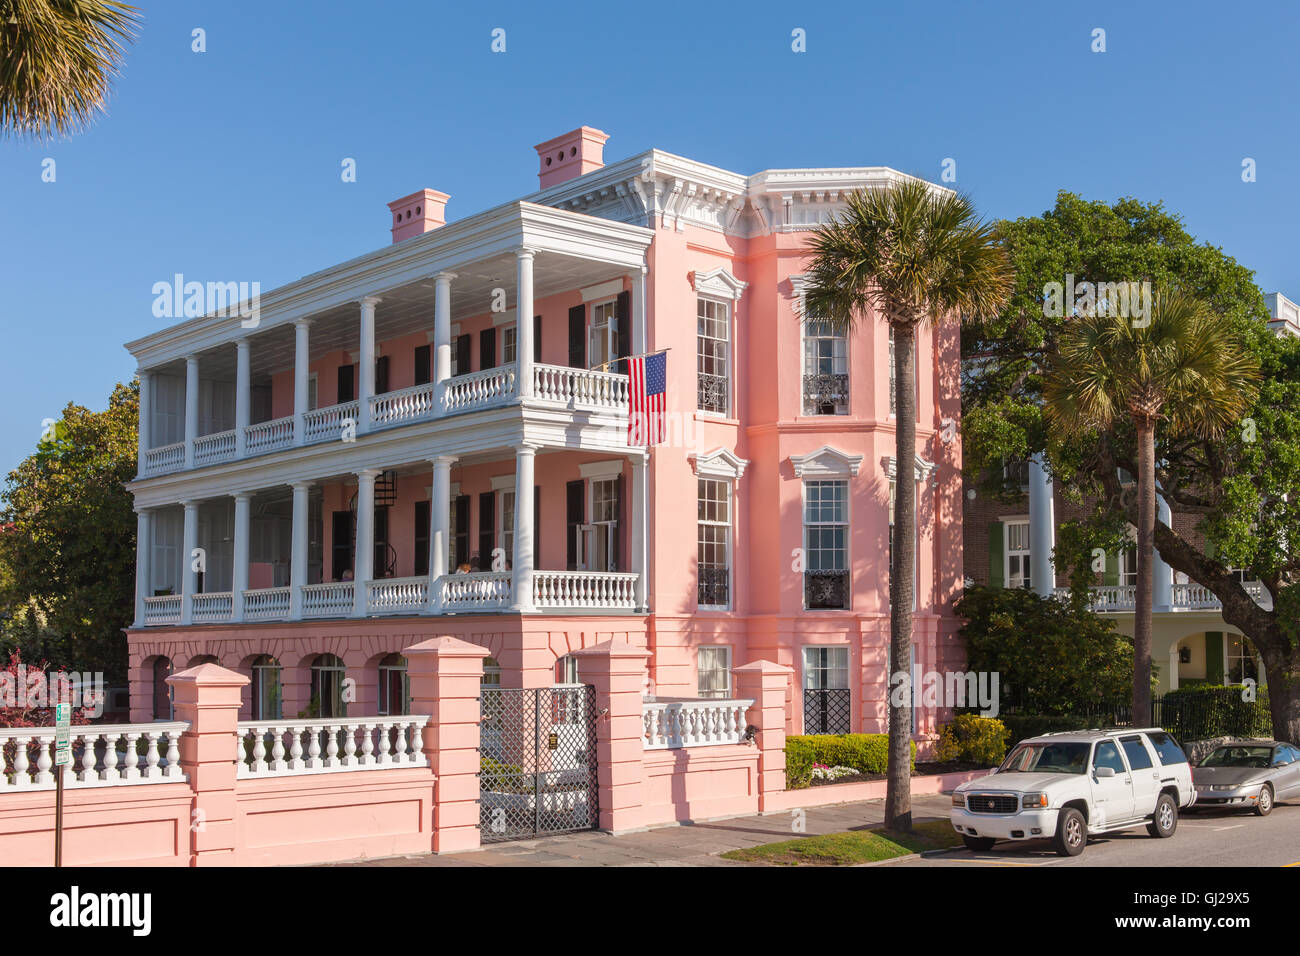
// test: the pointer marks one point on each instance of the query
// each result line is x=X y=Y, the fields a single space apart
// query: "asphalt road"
x=1204 y=838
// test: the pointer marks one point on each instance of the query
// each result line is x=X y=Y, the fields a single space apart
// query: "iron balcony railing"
x=826 y=590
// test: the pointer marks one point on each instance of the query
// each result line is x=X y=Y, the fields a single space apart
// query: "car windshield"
x=1047 y=758
x=1239 y=757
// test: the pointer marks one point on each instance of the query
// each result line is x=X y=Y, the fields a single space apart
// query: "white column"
x=367 y=372
x=1162 y=576
x=524 y=324
x=143 y=561
x=439 y=528
x=298 y=552
x=442 y=334
x=239 y=573
x=522 y=582
x=640 y=536
x=639 y=324
x=146 y=419
x=189 y=577
x=244 y=395
x=1173 y=667
x=365 y=557
x=1042 y=528
x=191 y=407
x=301 y=375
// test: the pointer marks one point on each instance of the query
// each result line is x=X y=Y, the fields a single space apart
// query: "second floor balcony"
x=1122 y=598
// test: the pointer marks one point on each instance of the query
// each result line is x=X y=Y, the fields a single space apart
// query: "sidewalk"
x=694 y=844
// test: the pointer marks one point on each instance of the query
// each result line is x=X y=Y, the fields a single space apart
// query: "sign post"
x=62 y=758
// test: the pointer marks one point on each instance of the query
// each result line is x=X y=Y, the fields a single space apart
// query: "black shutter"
x=381 y=374
x=487 y=512
x=578 y=337
x=460 y=534
x=463 y=366
x=487 y=348
x=421 y=537
x=537 y=338
x=381 y=568
x=347 y=383
x=341 y=545
x=423 y=365
x=575 y=501
x=624 y=343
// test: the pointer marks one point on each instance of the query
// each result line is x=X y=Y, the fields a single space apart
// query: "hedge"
x=973 y=739
x=866 y=753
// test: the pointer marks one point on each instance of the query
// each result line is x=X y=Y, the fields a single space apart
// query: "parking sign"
x=62 y=728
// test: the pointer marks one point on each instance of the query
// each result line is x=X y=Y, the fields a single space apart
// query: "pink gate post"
x=766 y=683
x=618 y=672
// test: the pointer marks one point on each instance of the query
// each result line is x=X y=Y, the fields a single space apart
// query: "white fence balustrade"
x=164 y=609
x=671 y=723
x=103 y=755
x=269 y=436
x=596 y=590
x=476 y=591
x=276 y=748
x=167 y=458
x=333 y=599
x=326 y=424
x=493 y=386
x=580 y=387
x=266 y=603
x=397 y=595
x=407 y=405
x=210 y=607
x=215 y=448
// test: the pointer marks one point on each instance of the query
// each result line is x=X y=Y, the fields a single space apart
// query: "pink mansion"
x=431 y=440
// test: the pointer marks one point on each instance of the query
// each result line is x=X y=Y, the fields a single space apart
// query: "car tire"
x=1264 y=805
x=1071 y=833
x=978 y=844
x=1164 y=821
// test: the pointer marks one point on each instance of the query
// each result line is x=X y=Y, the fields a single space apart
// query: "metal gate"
x=537 y=772
x=826 y=710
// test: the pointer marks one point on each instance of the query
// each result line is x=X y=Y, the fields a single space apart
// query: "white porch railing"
x=407 y=405
x=595 y=590
x=671 y=723
x=269 y=436
x=476 y=591
x=210 y=607
x=279 y=748
x=1182 y=597
x=493 y=386
x=163 y=459
x=580 y=387
x=215 y=448
x=326 y=424
x=103 y=755
x=333 y=599
x=266 y=604
x=164 y=609
x=397 y=595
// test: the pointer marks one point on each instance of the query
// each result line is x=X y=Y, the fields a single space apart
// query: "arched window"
x=394 y=688
x=327 y=673
x=266 y=688
x=162 y=692
x=491 y=673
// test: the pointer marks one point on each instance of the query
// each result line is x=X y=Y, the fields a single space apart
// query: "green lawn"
x=854 y=846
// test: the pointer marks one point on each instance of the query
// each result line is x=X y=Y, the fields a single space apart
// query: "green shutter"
x=1111 y=574
x=1214 y=657
x=996 y=552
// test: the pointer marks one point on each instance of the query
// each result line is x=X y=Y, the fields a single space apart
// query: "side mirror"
x=1105 y=771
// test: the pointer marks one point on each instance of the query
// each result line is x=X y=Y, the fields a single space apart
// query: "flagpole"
x=603 y=366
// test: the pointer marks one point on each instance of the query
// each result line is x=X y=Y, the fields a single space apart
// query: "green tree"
x=57 y=60
x=907 y=253
x=1181 y=369
x=69 y=544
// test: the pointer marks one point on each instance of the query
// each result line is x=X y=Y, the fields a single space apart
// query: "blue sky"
x=226 y=164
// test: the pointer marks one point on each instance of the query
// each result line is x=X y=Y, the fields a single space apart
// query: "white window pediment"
x=719 y=283
x=826 y=462
x=923 y=468
x=719 y=463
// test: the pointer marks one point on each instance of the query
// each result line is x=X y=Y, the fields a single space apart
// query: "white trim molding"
x=923 y=467
x=503 y=483
x=604 y=290
x=719 y=463
x=826 y=462
x=719 y=283
x=601 y=470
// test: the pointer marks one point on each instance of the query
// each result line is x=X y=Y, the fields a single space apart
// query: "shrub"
x=865 y=753
x=973 y=739
x=1202 y=711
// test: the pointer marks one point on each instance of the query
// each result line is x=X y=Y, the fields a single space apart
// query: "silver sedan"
x=1253 y=775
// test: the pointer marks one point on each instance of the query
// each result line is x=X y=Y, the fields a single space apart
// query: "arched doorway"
x=327 y=675
x=163 y=708
x=266 y=689
x=394 y=686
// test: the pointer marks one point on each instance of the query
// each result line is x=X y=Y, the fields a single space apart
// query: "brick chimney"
x=570 y=155
x=418 y=213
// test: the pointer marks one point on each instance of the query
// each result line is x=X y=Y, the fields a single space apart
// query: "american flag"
x=647 y=399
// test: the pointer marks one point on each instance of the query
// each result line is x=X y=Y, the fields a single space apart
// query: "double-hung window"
x=825 y=370
x=713 y=553
x=713 y=356
x=826 y=543
x=509 y=336
x=713 y=669
x=1016 y=572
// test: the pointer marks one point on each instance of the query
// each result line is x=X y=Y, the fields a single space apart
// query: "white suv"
x=1069 y=785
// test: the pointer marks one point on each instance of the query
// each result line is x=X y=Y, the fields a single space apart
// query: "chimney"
x=569 y=156
x=418 y=213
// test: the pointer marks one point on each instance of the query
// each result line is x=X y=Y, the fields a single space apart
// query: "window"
x=266 y=688
x=1136 y=751
x=713 y=671
x=491 y=673
x=394 y=687
x=825 y=370
x=602 y=346
x=506 y=541
x=826 y=668
x=1128 y=567
x=1015 y=472
x=826 y=705
x=1240 y=660
x=1016 y=571
x=508 y=337
x=916 y=542
x=1167 y=749
x=604 y=520
x=162 y=691
x=1107 y=755
x=566 y=670
x=713 y=555
x=311 y=391
x=826 y=536
x=327 y=674
x=713 y=337
x=893 y=376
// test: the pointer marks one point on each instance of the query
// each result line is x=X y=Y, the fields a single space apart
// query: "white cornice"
x=826 y=462
x=719 y=463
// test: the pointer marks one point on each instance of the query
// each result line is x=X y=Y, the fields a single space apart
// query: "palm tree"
x=57 y=58
x=1183 y=369
x=908 y=253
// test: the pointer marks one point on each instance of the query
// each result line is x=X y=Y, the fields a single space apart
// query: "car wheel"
x=1264 y=805
x=1071 y=832
x=1165 y=820
x=978 y=844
